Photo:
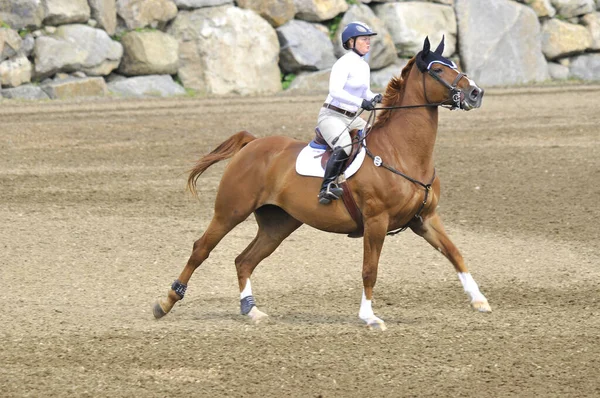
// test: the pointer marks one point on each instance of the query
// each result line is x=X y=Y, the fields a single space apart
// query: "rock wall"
x=66 y=48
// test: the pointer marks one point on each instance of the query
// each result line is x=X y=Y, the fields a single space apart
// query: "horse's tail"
x=225 y=150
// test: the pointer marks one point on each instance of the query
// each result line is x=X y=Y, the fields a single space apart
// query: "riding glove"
x=368 y=105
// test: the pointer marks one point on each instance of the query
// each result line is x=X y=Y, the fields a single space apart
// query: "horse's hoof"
x=158 y=311
x=481 y=306
x=376 y=324
x=257 y=315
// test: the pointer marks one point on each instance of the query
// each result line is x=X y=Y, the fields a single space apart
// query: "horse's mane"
x=393 y=93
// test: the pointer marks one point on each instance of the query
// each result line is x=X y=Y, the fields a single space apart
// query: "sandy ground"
x=96 y=224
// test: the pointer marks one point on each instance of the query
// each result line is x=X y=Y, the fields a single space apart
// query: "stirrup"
x=332 y=192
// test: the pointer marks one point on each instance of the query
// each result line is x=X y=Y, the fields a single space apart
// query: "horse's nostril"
x=474 y=93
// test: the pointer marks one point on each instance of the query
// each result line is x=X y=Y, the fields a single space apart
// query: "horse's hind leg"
x=274 y=225
x=217 y=229
x=432 y=230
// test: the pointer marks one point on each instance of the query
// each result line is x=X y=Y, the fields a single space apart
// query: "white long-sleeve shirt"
x=349 y=82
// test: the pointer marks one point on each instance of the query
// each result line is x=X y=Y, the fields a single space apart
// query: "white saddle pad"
x=308 y=162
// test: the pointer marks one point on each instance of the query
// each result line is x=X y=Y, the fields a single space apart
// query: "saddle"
x=355 y=136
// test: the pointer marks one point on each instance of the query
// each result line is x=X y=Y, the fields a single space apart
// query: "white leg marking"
x=366 y=314
x=478 y=300
x=247 y=290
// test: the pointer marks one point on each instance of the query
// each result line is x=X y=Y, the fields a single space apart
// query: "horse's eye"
x=438 y=71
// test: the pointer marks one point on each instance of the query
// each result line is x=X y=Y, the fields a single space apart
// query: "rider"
x=349 y=90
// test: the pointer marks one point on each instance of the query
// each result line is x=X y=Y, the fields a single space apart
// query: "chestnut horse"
x=399 y=189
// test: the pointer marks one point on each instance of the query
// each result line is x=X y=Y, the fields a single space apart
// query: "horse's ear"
x=440 y=49
x=426 y=47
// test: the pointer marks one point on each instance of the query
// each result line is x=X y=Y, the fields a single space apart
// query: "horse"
x=398 y=190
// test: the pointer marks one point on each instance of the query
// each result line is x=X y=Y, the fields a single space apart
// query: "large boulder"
x=561 y=39
x=60 y=12
x=319 y=10
x=105 y=13
x=142 y=13
x=10 y=43
x=72 y=87
x=574 y=8
x=15 y=71
x=311 y=81
x=592 y=23
x=149 y=53
x=304 y=47
x=25 y=92
x=77 y=48
x=586 y=67
x=500 y=42
x=276 y=12
x=383 y=51
x=146 y=86
x=227 y=50
x=20 y=14
x=409 y=24
x=543 y=8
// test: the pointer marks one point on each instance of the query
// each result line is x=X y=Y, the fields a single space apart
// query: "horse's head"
x=443 y=82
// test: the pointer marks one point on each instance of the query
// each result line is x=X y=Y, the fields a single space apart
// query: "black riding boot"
x=329 y=190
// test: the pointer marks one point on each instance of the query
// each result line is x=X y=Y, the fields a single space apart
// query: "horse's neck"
x=409 y=135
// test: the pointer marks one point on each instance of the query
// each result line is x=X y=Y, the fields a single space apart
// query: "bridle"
x=452 y=102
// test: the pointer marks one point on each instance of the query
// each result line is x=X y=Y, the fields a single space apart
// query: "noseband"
x=454 y=92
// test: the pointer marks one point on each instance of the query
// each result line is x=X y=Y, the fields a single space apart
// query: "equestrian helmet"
x=355 y=29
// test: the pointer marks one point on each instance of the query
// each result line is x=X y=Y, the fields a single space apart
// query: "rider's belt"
x=339 y=110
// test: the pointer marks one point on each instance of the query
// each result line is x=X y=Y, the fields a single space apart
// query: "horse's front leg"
x=432 y=230
x=375 y=230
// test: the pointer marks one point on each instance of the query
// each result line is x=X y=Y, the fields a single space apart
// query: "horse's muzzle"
x=472 y=98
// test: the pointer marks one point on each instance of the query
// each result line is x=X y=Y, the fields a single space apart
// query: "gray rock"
x=560 y=39
x=77 y=47
x=311 y=81
x=142 y=13
x=27 y=45
x=276 y=12
x=193 y=4
x=10 y=43
x=76 y=88
x=409 y=23
x=592 y=23
x=500 y=42
x=105 y=13
x=146 y=86
x=59 y=12
x=573 y=8
x=303 y=48
x=558 y=71
x=25 y=92
x=15 y=71
x=227 y=50
x=381 y=78
x=543 y=8
x=383 y=51
x=149 y=53
x=586 y=67
x=319 y=10
x=20 y=14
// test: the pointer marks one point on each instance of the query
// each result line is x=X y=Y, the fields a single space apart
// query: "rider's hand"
x=377 y=99
x=368 y=105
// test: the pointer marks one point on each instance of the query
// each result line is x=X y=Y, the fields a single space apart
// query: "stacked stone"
x=70 y=48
